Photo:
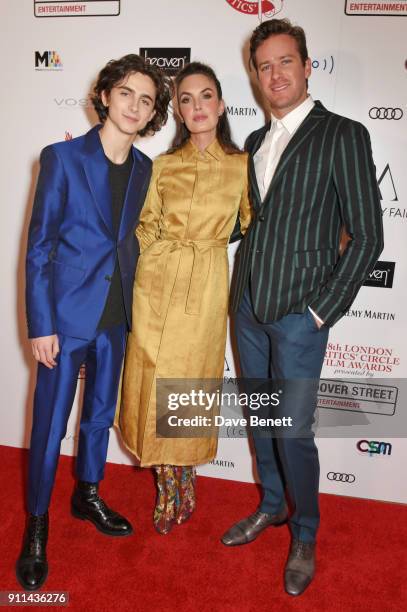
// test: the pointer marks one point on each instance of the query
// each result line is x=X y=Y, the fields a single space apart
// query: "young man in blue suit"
x=80 y=266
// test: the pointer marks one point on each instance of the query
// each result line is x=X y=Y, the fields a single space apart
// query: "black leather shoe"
x=87 y=505
x=32 y=566
x=300 y=567
x=249 y=528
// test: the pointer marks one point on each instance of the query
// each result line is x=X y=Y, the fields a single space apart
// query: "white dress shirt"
x=277 y=138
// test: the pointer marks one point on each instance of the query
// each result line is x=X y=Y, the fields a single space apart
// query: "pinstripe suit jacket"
x=325 y=179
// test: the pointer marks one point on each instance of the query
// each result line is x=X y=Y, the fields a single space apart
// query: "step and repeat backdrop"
x=52 y=52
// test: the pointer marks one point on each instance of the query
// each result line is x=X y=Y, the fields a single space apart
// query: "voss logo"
x=170 y=60
x=382 y=275
x=373 y=447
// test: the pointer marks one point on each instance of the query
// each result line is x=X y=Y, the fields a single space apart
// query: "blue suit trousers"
x=53 y=399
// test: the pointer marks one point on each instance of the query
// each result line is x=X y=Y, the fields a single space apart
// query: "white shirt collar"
x=293 y=119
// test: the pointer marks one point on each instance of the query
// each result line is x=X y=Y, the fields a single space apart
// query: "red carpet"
x=362 y=562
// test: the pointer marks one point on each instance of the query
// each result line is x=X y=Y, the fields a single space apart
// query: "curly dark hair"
x=223 y=132
x=272 y=27
x=116 y=71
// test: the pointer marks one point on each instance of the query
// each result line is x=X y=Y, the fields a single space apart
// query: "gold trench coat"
x=181 y=289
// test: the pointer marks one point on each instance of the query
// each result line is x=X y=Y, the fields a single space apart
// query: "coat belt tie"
x=199 y=272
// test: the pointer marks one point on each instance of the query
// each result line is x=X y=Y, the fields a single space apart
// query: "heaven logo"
x=48 y=60
x=382 y=275
x=372 y=9
x=261 y=8
x=374 y=448
x=170 y=60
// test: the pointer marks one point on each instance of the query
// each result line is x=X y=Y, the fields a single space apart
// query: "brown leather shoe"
x=300 y=567
x=248 y=529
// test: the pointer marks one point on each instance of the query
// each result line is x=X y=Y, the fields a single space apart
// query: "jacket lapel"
x=252 y=171
x=311 y=121
x=135 y=190
x=97 y=174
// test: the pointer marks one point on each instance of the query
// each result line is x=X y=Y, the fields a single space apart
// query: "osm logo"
x=374 y=448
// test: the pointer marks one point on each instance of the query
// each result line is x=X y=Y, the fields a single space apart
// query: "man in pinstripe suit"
x=311 y=174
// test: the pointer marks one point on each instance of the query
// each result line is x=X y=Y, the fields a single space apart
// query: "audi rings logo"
x=380 y=112
x=338 y=477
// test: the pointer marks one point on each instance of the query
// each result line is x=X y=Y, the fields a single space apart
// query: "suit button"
x=261 y=217
x=259 y=251
x=108 y=277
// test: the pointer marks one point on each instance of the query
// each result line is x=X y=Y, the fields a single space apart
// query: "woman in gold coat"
x=198 y=194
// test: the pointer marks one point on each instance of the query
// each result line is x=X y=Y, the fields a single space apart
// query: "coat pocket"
x=316 y=258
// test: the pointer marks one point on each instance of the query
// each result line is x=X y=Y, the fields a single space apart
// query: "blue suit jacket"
x=71 y=245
